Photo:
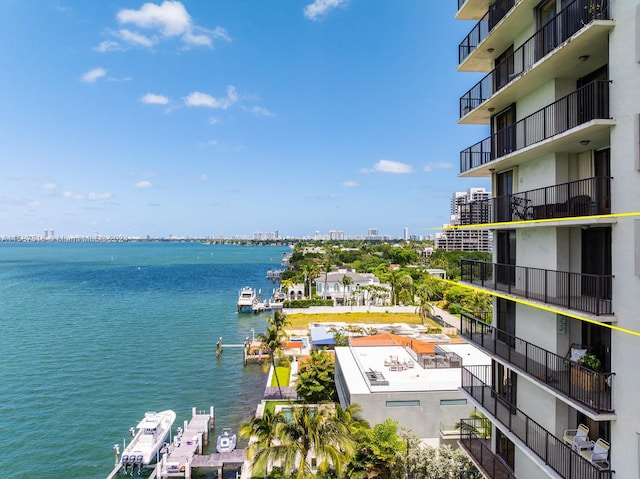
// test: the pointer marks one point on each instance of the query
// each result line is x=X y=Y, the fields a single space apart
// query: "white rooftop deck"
x=355 y=362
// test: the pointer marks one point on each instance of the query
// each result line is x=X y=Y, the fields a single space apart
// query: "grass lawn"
x=271 y=405
x=301 y=321
x=283 y=374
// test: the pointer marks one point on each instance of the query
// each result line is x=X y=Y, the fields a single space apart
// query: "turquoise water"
x=94 y=335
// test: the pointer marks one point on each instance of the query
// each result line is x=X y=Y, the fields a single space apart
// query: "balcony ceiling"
x=563 y=62
x=471 y=9
x=500 y=38
x=596 y=131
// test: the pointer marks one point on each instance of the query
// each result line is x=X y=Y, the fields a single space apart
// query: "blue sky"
x=228 y=117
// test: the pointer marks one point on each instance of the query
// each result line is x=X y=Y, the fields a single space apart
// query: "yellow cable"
x=544 y=308
x=529 y=222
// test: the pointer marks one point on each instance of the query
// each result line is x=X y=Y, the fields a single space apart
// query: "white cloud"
x=350 y=184
x=70 y=195
x=388 y=166
x=259 y=111
x=320 y=8
x=93 y=75
x=204 y=177
x=442 y=165
x=213 y=120
x=143 y=184
x=135 y=38
x=165 y=20
x=170 y=17
x=153 y=99
x=108 y=46
x=49 y=186
x=98 y=196
x=203 y=99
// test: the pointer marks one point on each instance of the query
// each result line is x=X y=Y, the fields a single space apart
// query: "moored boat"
x=246 y=299
x=226 y=441
x=148 y=438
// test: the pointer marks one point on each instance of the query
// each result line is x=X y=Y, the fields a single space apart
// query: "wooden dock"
x=185 y=445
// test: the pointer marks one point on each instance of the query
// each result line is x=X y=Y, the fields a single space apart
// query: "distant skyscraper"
x=406 y=234
x=372 y=233
x=470 y=207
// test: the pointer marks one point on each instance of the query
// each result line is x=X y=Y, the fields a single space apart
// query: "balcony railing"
x=479 y=448
x=588 y=103
x=566 y=23
x=587 y=197
x=497 y=12
x=584 y=386
x=567 y=463
x=590 y=293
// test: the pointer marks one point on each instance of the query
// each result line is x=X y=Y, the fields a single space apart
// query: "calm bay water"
x=94 y=335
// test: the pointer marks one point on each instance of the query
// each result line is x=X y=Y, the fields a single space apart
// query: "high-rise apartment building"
x=561 y=99
x=464 y=212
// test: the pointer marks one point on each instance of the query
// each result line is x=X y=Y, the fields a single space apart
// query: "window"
x=409 y=403
x=453 y=402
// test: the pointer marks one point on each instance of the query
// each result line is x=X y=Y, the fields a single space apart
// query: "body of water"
x=94 y=335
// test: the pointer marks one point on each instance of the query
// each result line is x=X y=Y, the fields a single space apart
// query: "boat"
x=246 y=298
x=226 y=441
x=148 y=438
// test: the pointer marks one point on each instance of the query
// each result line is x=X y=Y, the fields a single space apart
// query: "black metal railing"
x=587 y=103
x=476 y=381
x=590 y=293
x=591 y=196
x=587 y=387
x=479 y=449
x=566 y=23
x=497 y=11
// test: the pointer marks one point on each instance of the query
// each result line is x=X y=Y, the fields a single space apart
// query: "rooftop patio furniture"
x=597 y=453
x=577 y=438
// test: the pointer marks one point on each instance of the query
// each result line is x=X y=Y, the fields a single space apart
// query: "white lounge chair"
x=597 y=454
x=577 y=438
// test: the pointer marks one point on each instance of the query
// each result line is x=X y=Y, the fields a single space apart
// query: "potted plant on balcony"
x=586 y=375
x=596 y=9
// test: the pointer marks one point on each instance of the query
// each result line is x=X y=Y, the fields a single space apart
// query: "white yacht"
x=148 y=438
x=246 y=299
x=226 y=441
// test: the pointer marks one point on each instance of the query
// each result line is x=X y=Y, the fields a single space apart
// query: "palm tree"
x=262 y=432
x=279 y=320
x=273 y=339
x=313 y=431
x=346 y=281
x=285 y=285
x=326 y=266
x=424 y=293
x=310 y=271
x=404 y=286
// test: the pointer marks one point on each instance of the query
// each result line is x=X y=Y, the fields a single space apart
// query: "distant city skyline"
x=193 y=118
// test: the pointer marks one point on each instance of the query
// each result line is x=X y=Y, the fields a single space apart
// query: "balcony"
x=588 y=388
x=544 y=44
x=581 y=107
x=590 y=293
x=479 y=449
x=554 y=452
x=588 y=197
x=472 y=9
x=496 y=12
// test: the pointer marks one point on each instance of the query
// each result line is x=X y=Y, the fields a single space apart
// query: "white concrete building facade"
x=560 y=98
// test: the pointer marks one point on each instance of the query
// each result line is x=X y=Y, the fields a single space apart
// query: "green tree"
x=380 y=452
x=425 y=308
x=316 y=378
x=262 y=433
x=346 y=282
x=310 y=271
x=313 y=431
x=279 y=320
x=273 y=339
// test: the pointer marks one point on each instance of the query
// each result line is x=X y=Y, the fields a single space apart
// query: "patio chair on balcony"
x=598 y=454
x=577 y=438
